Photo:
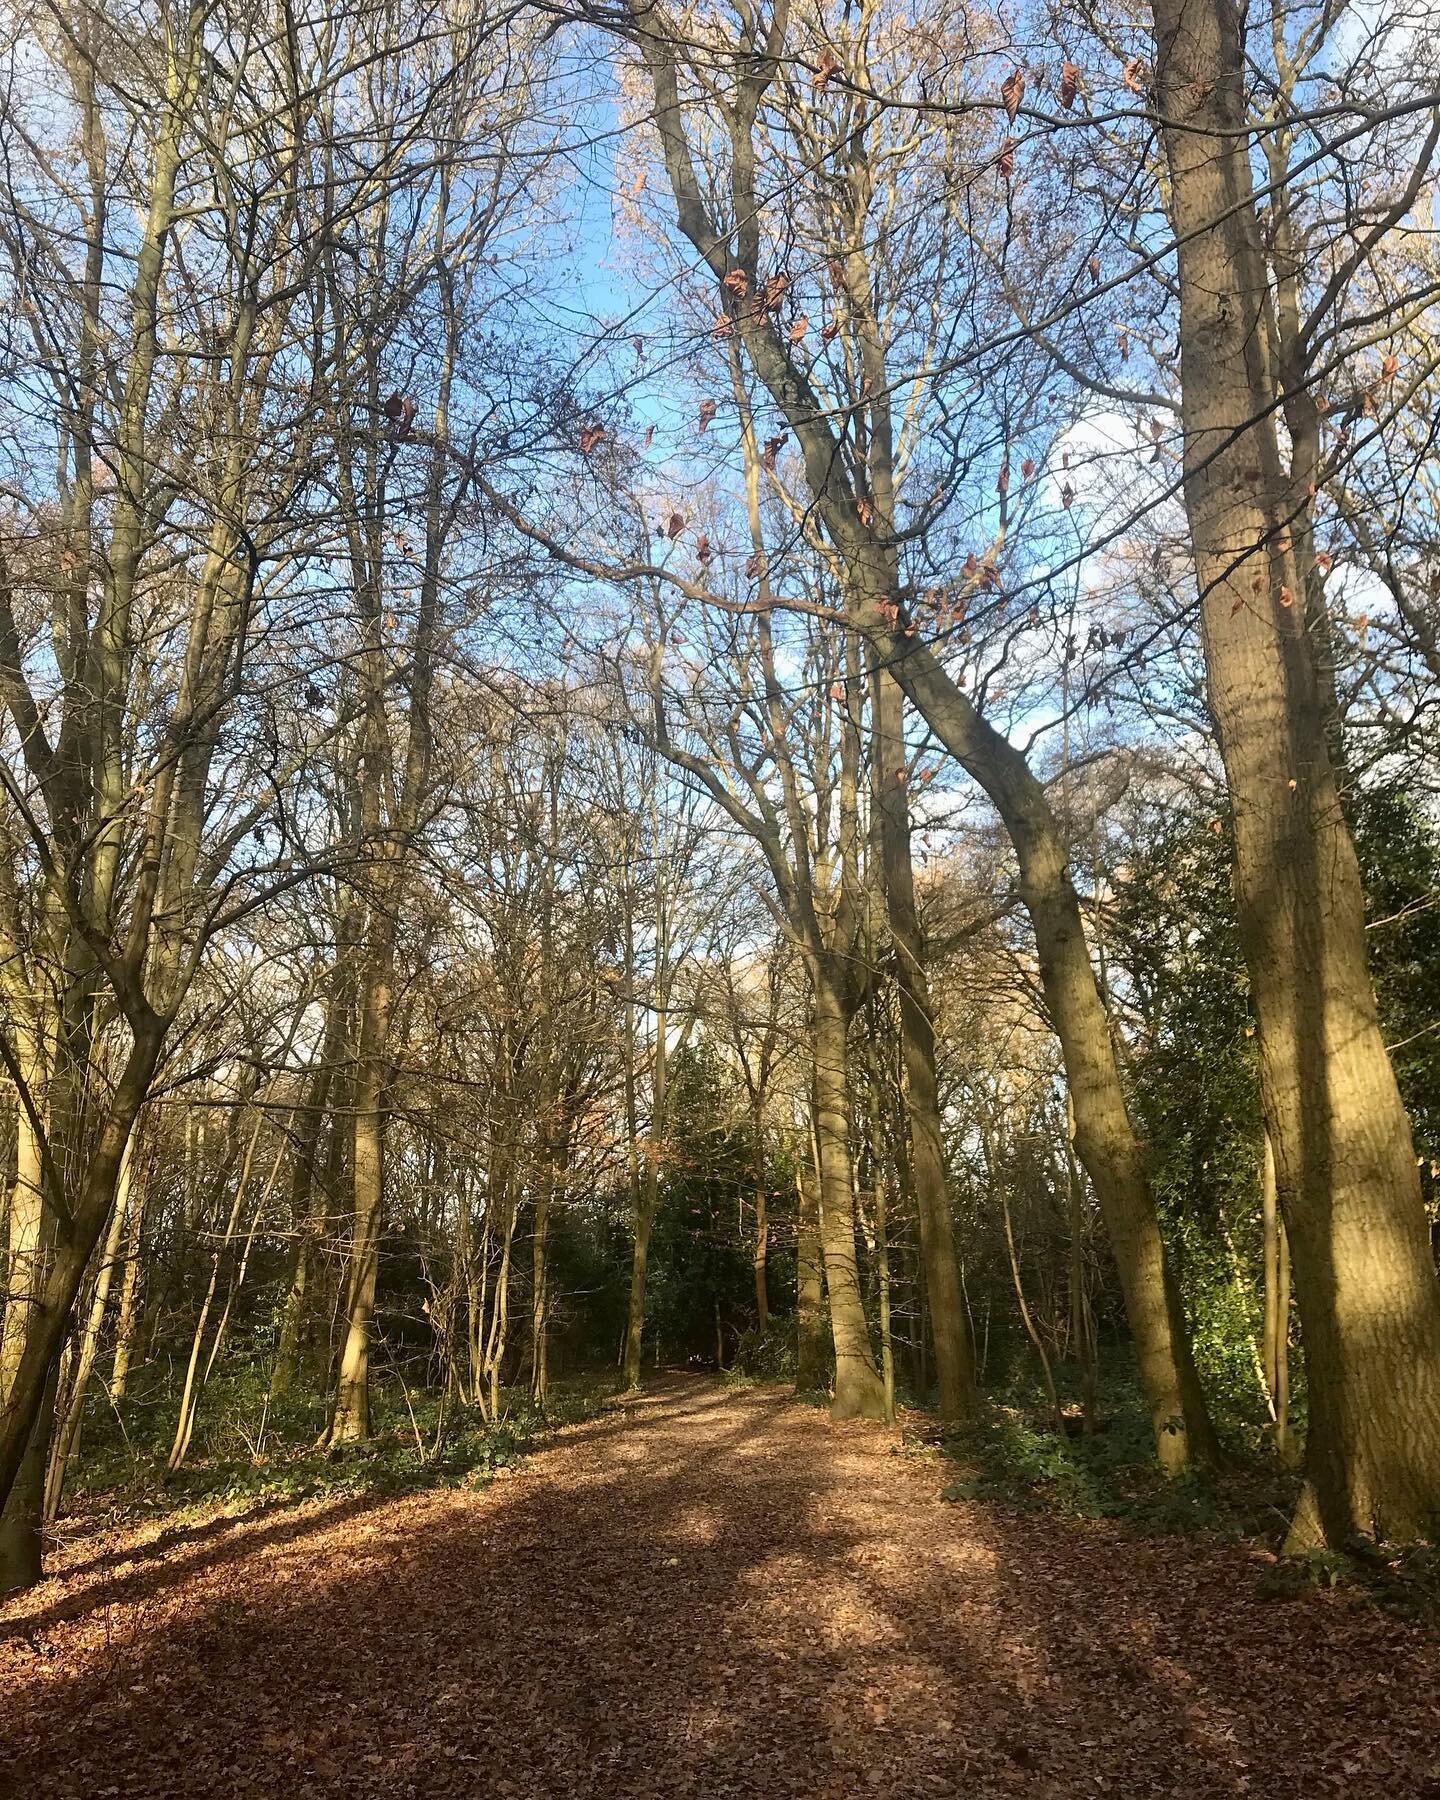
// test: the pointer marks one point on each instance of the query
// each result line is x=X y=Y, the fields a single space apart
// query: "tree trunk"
x=954 y=1356
x=762 y=1227
x=1347 y=1183
x=1276 y=1340
x=887 y=1341
x=809 y=1285
x=22 y=1518
x=307 y=1198
x=127 y=1314
x=859 y=1391
x=350 y=1422
x=1106 y=1140
x=635 y=1317
x=539 y=1276
x=89 y=1346
x=1082 y=1324
x=54 y=1299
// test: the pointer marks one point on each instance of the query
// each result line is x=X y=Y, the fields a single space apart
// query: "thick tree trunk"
x=54 y=1297
x=89 y=1345
x=859 y=1391
x=1347 y=1183
x=28 y=1251
x=22 y=1518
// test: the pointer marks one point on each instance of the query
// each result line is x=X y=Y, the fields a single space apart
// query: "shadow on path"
x=711 y=1593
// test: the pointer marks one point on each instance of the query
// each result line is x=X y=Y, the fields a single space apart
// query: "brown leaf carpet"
x=706 y=1593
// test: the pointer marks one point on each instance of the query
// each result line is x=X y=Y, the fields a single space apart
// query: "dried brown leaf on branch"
x=827 y=67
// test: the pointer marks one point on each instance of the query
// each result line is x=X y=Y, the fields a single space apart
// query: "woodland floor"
x=707 y=1592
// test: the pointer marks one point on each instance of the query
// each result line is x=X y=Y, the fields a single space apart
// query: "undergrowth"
x=1011 y=1455
x=247 y=1451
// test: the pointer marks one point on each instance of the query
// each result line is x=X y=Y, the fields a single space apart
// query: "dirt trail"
x=708 y=1593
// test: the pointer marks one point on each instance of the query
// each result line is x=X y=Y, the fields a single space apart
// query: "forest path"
x=711 y=1593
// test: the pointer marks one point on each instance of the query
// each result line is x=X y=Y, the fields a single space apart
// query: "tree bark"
x=809 y=1285
x=89 y=1345
x=954 y=1357
x=859 y=1391
x=1347 y=1183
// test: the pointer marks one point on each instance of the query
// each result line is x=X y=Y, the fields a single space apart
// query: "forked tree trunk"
x=54 y=1298
x=22 y=1516
x=1348 y=1186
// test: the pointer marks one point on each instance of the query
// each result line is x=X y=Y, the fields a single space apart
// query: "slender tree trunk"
x=128 y=1312
x=189 y=1393
x=859 y=1391
x=539 y=1283
x=887 y=1342
x=1082 y=1324
x=639 y=1260
x=1027 y=1318
x=809 y=1284
x=1348 y=1187
x=762 y=1226
x=307 y=1199
x=498 y=1340
x=650 y=1202
x=954 y=1354
x=350 y=1422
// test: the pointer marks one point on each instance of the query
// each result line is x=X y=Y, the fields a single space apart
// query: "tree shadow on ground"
x=709 y=1593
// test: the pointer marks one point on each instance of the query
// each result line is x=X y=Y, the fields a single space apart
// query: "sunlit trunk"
x=1347 y=1183
x=859 y=1391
